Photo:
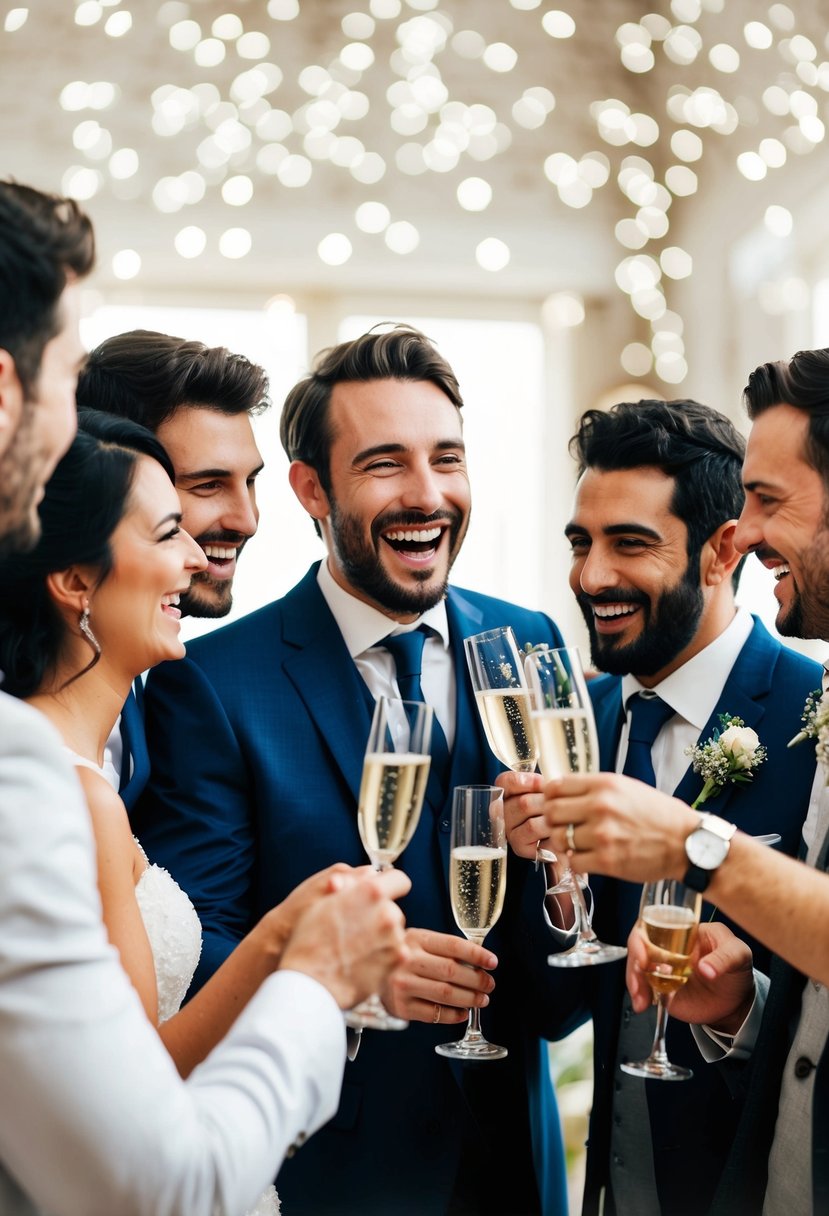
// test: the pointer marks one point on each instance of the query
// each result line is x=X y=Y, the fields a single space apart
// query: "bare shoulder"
x=110 y=822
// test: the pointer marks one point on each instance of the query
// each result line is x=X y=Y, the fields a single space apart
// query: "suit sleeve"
x=94 y=1119
x=195 y=817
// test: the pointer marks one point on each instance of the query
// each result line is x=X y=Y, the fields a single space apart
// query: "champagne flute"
x=502 y=697
x=477 y=881
x=669 y=918
x=395 y=771
x=564 y=726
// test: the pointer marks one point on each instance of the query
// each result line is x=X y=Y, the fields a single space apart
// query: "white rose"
x=740 y=743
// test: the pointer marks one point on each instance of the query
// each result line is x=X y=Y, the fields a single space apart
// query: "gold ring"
x=570 y=837
x=436 y=1018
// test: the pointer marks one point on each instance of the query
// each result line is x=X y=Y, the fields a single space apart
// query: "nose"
x=421 y=489
x=748 y=534
x=595 y=572
x=242 y=514
x=194 y=558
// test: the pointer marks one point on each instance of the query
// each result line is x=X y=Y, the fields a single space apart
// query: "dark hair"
x=43 y=239
x=802 y=382
x=399 y=353
x=85 y=500
x=147 y=376
x=697 y=446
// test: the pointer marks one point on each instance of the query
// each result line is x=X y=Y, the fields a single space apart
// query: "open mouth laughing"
x=416 y=545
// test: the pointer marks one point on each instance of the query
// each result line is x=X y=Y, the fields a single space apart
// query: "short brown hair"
x=802 y=382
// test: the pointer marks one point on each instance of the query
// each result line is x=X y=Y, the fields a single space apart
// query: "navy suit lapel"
x=326 y=679
x=135 y=760
x=749 y=681
x=606 y=695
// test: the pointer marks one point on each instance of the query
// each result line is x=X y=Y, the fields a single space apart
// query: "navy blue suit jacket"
x=257 y=741
x=693 y=1124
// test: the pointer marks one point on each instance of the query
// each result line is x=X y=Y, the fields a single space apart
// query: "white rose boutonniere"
x=730 y=756
x=815 y=719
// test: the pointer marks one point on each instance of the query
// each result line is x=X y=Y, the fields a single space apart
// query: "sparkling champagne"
x=671 y=930
x=565 y=741
x=477 y=880
x=391 y=796
x=505 y=713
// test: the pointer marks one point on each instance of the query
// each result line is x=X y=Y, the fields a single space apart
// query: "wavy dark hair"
x=692 y=443
x=85 y=500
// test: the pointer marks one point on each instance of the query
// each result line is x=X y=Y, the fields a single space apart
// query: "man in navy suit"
x=779 y=1164
x=199 y=401
x=654 y=570
x=257 y=742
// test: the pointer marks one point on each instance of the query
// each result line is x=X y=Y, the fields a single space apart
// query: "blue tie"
x=407 y=651
x=648 y=714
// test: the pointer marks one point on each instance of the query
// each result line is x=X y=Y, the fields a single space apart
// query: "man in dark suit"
x=654 y=570
x=199 y=400
x=257 y=743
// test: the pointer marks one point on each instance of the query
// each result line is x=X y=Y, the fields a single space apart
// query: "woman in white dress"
x=84 y=613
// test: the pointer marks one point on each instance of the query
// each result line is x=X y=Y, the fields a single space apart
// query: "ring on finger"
x=436 y=1015
x=570 y=837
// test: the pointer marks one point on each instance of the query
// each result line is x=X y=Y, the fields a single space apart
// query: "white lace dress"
x=174 y=931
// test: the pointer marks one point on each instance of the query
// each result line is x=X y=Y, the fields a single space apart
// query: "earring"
x=86 y=630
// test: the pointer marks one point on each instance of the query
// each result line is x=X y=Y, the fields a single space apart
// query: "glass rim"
x=489 y=635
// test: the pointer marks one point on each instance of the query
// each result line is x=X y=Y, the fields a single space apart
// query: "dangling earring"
x=86 y=630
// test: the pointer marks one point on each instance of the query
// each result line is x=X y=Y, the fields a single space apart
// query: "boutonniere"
x=815 y=719
x=731 y=755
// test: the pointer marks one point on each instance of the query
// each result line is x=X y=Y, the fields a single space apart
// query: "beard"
x=360 y=559
x=670 y=625
x=808 y=613
x=208 y=597
x=20 y=469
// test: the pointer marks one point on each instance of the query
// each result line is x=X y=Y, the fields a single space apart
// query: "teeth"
x=608 y=610
x=218 y=551
x=172 y=600
x=424 y=534
x=779 y=571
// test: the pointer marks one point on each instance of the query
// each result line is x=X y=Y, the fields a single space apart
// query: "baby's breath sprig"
x=730 y=756
x=815 y=719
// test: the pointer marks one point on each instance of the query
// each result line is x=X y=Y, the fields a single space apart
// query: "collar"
x=364 y=626
x=694 y=689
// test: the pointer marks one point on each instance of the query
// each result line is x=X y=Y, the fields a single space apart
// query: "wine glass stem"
x=473 y=1034
x=658 y=1051
x=583 y=926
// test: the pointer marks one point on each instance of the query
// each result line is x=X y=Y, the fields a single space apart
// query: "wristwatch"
x=707 y=848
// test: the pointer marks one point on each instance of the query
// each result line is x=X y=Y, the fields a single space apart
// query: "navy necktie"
x=647 y=717
x=407 y=651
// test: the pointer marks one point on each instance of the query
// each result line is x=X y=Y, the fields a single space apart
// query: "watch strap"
x=696 y=878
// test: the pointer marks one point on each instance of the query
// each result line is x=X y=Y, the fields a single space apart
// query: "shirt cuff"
x=715 y=1046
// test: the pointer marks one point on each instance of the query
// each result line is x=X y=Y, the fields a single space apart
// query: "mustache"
x=221 y=538
x=416 y=519
x=764 y=554
x=612 y=597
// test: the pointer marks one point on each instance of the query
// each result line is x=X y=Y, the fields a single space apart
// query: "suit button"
x=626 y=1017
x=617 y=1160
x=803 y=1066
x=444 y=825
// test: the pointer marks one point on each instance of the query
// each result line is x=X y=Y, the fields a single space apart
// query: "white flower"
x=741 y=744
x=815 y=719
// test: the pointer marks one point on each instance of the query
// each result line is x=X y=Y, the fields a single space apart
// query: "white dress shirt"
x=692 y=691
x=94 y=1118
x=364 y=627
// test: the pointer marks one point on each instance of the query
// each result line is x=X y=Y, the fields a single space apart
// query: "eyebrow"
x=574 y=529
x=198 y=474
x=753 y=486
x=391 y=449
x=173 y=517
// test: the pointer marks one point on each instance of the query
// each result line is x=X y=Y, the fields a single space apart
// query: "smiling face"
x=134 y=612
x=399 y=502
x=640 y=596
x=784 y=520
x=216 y=462
x=43 y=426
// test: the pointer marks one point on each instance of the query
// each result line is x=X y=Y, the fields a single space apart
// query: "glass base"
x=587 y=954
x=478 y=1049
x=657 y=1070
x=566 y=887
x=372 y=1015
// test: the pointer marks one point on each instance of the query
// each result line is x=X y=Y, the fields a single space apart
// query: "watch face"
x=705 y=849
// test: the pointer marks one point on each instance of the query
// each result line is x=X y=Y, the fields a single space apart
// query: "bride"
x=82 y=615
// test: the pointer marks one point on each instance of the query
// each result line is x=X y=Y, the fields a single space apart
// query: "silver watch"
x=707 y=848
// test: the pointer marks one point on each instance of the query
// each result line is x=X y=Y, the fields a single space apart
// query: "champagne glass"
x=395 y=771
x=477 y=881
x=669 y=918
x=564 y=726
x=502 y=697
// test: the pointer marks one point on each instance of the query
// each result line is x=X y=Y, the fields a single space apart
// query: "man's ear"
x=11 y=398
x=720 y=558
x=305 y=483
x=70 y=589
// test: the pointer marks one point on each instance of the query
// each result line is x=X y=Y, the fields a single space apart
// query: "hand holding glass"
x=669 y=919
x=395 y=771
x=563 y=722
x=477 y=882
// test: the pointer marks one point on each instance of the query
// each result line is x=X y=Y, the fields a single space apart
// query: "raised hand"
x=720 y=990
x=523 y=812
x=352 y=939
x=442 y=978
